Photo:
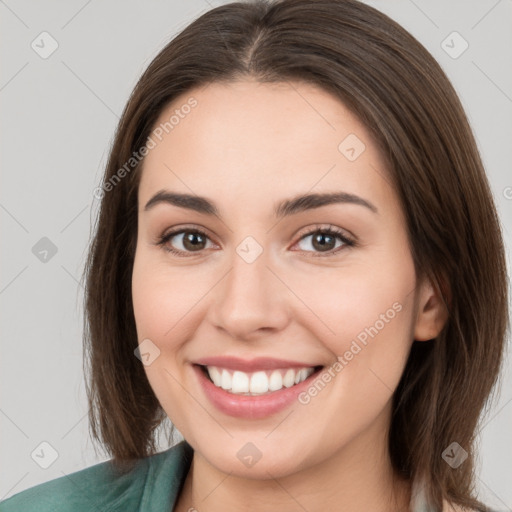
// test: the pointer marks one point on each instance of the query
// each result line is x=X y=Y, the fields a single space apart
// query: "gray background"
x=59 y=114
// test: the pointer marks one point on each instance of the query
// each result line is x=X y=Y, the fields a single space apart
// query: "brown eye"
x=186 y=240
x=193 y=241
x=323 y=240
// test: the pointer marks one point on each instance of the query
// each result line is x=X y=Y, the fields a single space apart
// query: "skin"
x=246 y=146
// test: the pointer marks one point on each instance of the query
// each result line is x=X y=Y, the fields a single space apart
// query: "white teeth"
x=216 y=376
x=240 y=383
x=225 y=381
x=275 y=382
x=259 y=382
x=301 y=375
x=289 y=378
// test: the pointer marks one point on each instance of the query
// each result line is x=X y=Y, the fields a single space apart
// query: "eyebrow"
x=282 y=209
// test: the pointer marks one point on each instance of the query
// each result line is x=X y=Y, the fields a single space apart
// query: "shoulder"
x=92 y=488
x=101 y=487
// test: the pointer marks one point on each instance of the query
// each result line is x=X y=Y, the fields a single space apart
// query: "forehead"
x=257 y=140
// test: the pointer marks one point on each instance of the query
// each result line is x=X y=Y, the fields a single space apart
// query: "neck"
x=356 y=477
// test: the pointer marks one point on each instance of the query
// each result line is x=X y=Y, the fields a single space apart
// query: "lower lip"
x=252 y=407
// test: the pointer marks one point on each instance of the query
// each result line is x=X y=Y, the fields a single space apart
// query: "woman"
x=298 y=261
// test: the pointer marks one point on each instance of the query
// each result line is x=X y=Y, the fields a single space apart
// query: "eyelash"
x=330 y=230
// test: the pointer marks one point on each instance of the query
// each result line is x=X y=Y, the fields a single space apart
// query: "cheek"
x=162 y=298
x=160 y=303
x=364 y=315
x=369 y=317
x=356 y=302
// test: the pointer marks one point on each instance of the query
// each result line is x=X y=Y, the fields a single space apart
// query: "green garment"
x=153 y=485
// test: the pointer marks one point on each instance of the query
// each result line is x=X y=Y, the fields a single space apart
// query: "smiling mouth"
x=257 y=383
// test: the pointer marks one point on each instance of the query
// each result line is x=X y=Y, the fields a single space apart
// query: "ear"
x=432 y=312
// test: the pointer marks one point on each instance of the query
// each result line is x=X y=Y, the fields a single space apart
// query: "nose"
x=250 y=301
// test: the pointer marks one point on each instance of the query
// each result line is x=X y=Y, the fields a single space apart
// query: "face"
x=328 y=285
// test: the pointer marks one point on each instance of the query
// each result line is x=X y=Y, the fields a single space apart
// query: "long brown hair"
x=397 y=89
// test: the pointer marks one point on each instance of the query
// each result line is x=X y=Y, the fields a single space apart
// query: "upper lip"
x=249 y=365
